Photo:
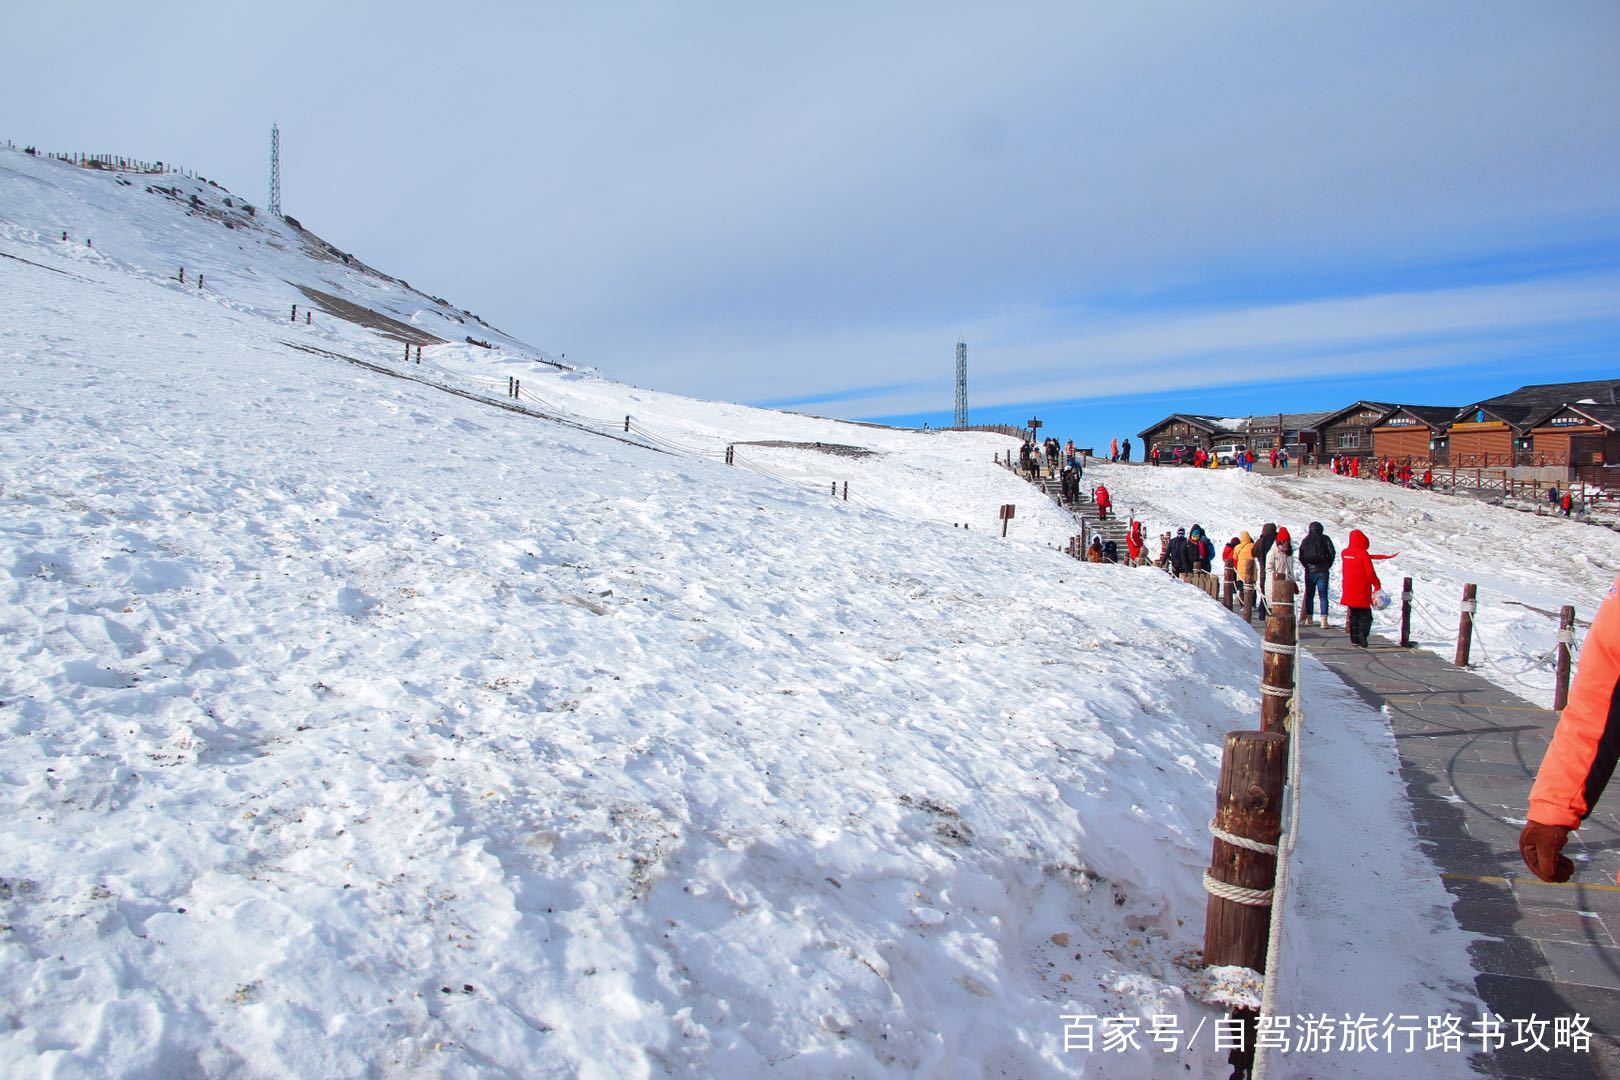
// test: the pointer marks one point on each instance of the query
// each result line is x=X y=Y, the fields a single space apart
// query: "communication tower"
x=275 y=171
x=961 y=383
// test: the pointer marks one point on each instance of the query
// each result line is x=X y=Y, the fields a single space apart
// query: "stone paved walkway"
x=1469 y=751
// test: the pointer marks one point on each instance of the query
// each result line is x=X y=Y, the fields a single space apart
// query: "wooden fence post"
x=627 y=423
x=846 y=491
x=1277 y=660
x=292 y=318
x=1229 y=581
x=1248 y=804
x=1566 y=638
x=1465 y=626
x=1248 y=599
x=1406 y=613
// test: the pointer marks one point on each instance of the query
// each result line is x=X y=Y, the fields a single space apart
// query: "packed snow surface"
x=354 y=724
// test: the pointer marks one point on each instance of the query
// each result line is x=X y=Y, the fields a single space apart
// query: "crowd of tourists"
x=1257 y=561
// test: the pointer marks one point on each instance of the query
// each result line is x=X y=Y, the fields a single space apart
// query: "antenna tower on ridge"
x=961 y=383
x=275 y=171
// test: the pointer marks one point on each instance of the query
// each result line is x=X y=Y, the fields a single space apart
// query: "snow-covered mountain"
x=360 y=717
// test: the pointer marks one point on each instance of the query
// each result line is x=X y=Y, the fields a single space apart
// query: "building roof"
x=1328 y=418
x=1212 y=424
x=1606 y=415
x=1303 y=421
x=1436 y=416
x=1518 y=408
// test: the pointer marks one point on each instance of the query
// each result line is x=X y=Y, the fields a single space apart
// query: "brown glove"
x=1542 y=847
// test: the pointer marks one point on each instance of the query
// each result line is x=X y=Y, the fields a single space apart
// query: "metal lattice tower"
x=961 y=384
x=275 y=171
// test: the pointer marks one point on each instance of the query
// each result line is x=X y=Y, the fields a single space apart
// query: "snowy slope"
x=351 y=726
x=1526 y=567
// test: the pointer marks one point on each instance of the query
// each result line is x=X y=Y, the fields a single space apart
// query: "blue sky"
x=1125 y=209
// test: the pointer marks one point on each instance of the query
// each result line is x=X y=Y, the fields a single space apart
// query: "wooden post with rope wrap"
x=1465 y=625
x=1248 y=598
x=1566 y=638
x=1243 y=860
x=1277 y=659
x=1229 y=580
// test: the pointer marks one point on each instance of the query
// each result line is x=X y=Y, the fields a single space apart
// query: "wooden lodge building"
x=1417 y=432
x=1545 y=425
x=1579 y=435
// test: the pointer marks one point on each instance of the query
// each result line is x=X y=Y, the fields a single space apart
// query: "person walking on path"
x=1113 y=450
x=1262 y=548
x=1243 y=560
x=1125 y=450
x=1316 y=555
x=1581 y=757
x=1095 y=552
x=1357 y=583
x=1282 y=561
x=1567 y=503
x=1104 y=502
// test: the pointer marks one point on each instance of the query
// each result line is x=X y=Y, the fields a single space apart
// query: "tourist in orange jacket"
x=1584 y=747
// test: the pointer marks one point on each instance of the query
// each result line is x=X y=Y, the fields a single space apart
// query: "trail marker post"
x=1465 y=625
x=1007 y=512
x=1406 y=613
x=1566 y=638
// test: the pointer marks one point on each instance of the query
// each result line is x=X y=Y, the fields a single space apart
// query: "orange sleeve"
x=1586 y=743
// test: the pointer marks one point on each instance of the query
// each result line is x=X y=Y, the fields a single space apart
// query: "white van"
x=1227 y=453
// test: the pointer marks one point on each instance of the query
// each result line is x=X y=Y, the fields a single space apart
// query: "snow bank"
x=348 y=726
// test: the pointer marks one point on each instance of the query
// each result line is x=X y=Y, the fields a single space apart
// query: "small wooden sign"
x=1008 y=510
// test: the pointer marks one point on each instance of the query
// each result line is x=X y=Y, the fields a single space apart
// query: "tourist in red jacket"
x=1104 y=502
x=1134 y=543
x=1581 y=758
x=1359 y=581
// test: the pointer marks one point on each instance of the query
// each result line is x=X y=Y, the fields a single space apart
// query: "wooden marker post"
x=627 y=423
x=1566 y=638
x=1248 y=805
x=846 y=491
x=1228 y=583
x=1007 y=512
x=1248 y=601
x=292 y=318
x=1406 y=613
x=1465 y=626
x=1277 y=659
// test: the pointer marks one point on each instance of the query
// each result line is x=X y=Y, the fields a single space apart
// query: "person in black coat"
x=1316 y=555
x=1180 y=556
x=1262 y=547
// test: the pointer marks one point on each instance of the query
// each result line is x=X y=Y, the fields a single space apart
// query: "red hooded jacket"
x=1357 y=576
x=1133 y=542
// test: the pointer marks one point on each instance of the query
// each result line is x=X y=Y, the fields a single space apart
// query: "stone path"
x=1469 y=751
